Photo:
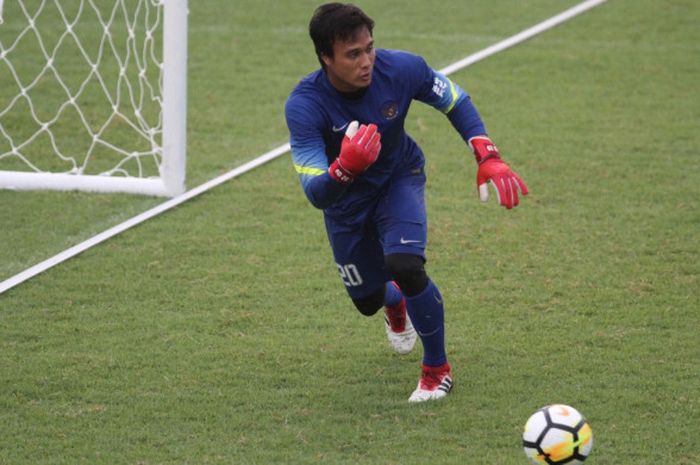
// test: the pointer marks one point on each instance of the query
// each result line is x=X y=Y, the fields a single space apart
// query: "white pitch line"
x=138 y=219
x=275 y=153
x=523 y=35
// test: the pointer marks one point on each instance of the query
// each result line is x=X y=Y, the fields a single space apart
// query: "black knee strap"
x=408 y=271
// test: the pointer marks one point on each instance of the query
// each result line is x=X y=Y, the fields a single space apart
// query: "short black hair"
x=336 y=21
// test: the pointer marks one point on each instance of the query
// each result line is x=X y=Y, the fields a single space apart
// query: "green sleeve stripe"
x=309 y=171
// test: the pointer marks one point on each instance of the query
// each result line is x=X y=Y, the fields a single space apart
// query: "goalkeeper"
x=357 y=164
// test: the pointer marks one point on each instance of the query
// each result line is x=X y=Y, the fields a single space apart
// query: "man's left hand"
x=494 y=170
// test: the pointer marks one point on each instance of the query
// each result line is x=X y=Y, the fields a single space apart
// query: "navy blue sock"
x=428 y=317
x=392 y=295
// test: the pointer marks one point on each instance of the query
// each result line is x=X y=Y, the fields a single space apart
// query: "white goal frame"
x=173 y=147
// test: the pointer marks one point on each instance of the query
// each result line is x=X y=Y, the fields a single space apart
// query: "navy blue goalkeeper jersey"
x=317 y=116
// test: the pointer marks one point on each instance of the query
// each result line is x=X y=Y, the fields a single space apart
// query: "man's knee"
x=408 y=271
x=371 y=304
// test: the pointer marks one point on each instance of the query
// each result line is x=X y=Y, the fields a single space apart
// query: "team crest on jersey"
x=390 y=110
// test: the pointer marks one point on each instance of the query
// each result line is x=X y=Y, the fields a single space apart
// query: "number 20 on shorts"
x=349 y=274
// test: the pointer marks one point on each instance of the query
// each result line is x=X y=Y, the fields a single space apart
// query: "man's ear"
x=326 y=59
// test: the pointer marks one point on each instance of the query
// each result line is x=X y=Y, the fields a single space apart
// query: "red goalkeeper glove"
x=493 y=169
x=359 y=149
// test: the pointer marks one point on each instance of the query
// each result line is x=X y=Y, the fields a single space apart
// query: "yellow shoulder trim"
x=453 y=91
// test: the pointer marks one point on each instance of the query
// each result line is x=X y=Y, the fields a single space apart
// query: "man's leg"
x=402 y=222
x=423 y=303
x=399 y=330
x=424 y=306
x=360 y=261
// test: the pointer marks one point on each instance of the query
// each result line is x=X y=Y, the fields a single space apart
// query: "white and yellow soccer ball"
x=557 y=434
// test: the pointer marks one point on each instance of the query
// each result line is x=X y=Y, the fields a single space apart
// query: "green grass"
x=220 y=333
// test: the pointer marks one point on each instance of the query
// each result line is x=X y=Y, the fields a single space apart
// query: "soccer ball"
x=557 y=434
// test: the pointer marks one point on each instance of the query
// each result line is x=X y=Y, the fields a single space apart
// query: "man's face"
x=350 y=68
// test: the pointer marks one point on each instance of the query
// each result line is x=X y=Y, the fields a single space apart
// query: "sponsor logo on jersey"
x=340 y=128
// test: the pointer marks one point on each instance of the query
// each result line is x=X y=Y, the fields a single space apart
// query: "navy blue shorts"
x=393 y=222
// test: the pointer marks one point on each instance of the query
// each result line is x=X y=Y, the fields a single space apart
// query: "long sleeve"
x=438 y=91
x=309 y=153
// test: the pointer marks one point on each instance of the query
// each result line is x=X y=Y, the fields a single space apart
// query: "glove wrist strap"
x=483 y=148
x=339 y=173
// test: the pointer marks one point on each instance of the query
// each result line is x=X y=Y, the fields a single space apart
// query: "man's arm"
x=324 y=184
x=309 y=153
x=440 y=92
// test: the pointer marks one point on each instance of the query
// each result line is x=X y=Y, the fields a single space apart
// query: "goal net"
x=93 y=95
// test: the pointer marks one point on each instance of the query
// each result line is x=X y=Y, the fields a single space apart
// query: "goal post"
x=93 y=95
x=174 y=96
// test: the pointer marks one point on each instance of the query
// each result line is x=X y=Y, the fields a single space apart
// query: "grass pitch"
x=220 y=333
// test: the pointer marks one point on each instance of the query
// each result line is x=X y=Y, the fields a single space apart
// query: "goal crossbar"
x=20 y=180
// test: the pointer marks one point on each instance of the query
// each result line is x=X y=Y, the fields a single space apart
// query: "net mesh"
x=81 y=86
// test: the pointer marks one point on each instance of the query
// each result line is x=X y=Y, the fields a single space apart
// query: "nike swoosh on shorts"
x=409 y=241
